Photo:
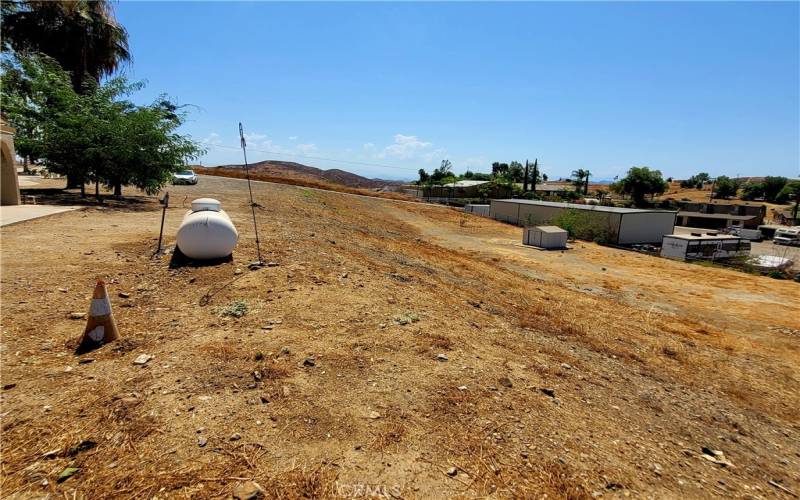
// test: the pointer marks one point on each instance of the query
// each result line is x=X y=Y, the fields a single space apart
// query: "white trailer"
x=787 y=236
x=549 y=237
x=709 y=246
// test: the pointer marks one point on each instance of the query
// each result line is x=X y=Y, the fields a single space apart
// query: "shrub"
x=236 y=309
x=584 y=225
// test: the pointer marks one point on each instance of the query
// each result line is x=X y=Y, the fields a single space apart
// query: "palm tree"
x=81 y=35
x=581 y=179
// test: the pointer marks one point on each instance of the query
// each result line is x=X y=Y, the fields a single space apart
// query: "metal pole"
x=165 y=202
x=250 y=189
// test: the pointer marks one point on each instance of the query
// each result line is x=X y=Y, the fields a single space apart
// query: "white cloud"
x=212 y=139
x=405 y=147
x=293 y=138
x=307 y=148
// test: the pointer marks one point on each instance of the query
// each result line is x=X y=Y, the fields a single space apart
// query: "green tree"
x=772 y=186
x=516 y=172
x=640 y=182
x=443 y=173
x=98 y=136
x=499 y=169
x=82 y=36
x=423 y=176
x=725 y=187
x=752 y=191
x=696 y=181
x=581 y=180
x=790 y=192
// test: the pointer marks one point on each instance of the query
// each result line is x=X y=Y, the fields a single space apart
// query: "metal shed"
x=625 y=226
x=545 y=237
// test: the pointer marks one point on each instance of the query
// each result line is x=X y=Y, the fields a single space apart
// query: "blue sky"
x=681 y=87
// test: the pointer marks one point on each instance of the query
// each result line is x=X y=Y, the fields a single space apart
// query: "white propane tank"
x=206 y=231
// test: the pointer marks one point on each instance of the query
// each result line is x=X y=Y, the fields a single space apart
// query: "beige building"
x=9 y=184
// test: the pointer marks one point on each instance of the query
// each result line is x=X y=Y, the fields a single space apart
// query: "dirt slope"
x=589 y=372
x=298 y=170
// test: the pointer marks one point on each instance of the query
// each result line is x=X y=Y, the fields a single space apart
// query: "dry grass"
x=652 y=371
x=300 y=181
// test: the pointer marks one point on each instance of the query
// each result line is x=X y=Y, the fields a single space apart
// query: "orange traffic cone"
x=101 y=327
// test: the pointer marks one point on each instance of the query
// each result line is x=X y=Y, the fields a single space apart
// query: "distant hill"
x=294 y=170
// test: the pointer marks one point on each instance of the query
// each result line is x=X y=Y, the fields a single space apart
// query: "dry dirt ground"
x=392 y=349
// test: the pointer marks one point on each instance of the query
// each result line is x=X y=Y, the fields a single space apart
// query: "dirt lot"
x=392 y=348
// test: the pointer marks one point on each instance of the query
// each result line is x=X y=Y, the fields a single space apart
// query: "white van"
x=787 y=236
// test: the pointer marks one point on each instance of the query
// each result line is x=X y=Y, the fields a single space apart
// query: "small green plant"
x=236 y=309
x=778 y=275
x=406 y=318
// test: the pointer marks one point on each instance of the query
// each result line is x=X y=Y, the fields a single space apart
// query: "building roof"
x=594 y=208
x=549 y=229
x=460 y=184
x=703 y=236
x=703 y=215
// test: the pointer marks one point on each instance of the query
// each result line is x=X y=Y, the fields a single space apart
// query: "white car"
x=184 y=177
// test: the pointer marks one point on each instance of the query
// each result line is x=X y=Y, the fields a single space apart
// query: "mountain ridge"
x=293 y=169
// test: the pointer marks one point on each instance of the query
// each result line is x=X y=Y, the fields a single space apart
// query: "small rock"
x=47 y=408
x=63 y=290
x=250 y=490
x=286 y=391
x=236 y=437
x=309 y=362
x=237 y=271
x=452 y=471
x=566 y=366
x=441 y=357
x=374 y=415
x=285 y=350
x=77 y=315
x=142 y=359
x=272 y=264
x=51 y=453
x=549 y=392
x=124 y=295
x=201 y=441
x=85 y=361
x=506 y=382
x=9 y=386
x=462 y=388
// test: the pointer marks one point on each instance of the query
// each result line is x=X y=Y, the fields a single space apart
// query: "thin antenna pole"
x=250 y=189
